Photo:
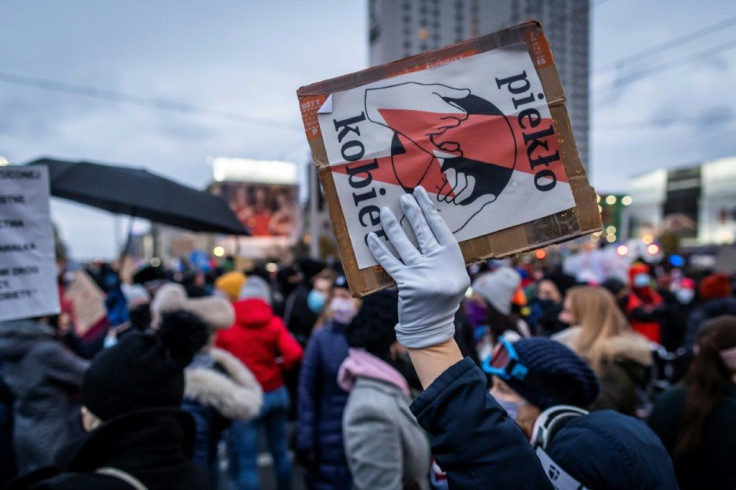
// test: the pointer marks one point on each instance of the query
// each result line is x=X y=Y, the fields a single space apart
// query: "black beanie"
x=372 y=328
x=144 y=370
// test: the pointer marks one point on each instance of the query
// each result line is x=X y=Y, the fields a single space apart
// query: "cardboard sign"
x=86 y=301
x=28 y=286
x=481 y=125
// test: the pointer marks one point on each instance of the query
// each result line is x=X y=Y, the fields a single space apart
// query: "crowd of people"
x=500 y=375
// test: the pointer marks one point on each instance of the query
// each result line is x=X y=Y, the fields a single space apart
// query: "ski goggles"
x=504 y=362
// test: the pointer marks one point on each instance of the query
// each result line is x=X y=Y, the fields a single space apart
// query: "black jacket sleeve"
x=473 y=440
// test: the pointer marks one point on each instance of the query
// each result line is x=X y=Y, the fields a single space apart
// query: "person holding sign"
x=474 y=440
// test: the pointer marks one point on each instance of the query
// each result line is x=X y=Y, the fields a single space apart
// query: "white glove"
x=432 y=280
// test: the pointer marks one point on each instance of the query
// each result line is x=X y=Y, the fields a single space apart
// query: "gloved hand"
x=432 y=280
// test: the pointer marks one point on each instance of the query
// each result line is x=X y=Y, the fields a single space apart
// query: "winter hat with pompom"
x=144 y=370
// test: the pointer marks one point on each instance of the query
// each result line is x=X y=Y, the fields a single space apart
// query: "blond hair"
x=596 y=312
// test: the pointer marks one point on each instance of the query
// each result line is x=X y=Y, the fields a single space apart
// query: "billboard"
x=264 y=195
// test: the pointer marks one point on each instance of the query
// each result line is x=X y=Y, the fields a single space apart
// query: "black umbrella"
x=142 y=194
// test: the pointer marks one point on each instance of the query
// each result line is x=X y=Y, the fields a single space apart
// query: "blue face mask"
x=641 y=280
x=110 y=340
x=315 y=301
x=512 y=408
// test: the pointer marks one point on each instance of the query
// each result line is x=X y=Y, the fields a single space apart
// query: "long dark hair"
x=707 y=379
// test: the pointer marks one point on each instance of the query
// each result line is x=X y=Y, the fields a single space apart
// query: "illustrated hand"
x=458 y=187
x=432 y=280
x=419 y=112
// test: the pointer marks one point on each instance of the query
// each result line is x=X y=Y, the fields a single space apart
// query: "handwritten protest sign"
x=28 y=285
x=481 y=125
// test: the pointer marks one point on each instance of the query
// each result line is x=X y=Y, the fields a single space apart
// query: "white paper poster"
x=28 y=285
x=476 y=133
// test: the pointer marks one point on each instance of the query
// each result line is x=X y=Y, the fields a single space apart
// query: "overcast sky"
x=247 y=59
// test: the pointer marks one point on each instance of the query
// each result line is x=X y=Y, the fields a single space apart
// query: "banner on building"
x=481 y=125
x=28 y=286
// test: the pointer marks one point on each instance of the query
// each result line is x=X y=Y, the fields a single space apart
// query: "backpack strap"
x=122 y=475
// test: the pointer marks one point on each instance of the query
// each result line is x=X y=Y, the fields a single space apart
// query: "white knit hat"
x=216 y=312
x=498 y=287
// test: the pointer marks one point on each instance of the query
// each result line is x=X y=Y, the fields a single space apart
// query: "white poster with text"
x=28 y=286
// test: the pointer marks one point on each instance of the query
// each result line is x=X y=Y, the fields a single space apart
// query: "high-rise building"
x=401 y=28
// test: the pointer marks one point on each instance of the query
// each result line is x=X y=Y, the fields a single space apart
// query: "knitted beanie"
x=231 y=283
x=715 y=286
x=498 y=288
x=216 y=312
x=144 y=370
x=556 y=376
x=256 y=287
x=372 y=328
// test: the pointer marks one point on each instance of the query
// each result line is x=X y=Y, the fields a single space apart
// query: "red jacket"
x=260 y=340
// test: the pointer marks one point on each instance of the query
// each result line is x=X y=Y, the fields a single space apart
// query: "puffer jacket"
x=44 y=378
x=321 y=404
x=218 y=388
x=259 y=339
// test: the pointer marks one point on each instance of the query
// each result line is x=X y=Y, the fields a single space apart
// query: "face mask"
x=512 y=408
x=477 y=313
x=110 y=340
x=685 y=296
x=546 y=304
x=641 y=280
x=343 y=310
x=315 y=301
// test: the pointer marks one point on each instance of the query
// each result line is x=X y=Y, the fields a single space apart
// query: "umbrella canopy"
x=137 y=192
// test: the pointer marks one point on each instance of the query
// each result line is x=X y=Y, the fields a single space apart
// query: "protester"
x=259 y=339
x=218 y=387
x=319 y=439
x=620 y=291
x=538 y=382
x=137 y=435
x=717 y=298
x=696 y=421
x=546 y=309
x=44 y=379
x=489 y=308
x=305 y=303
x=645 y=307
x=473 y=439
x=385 y=446
x=680 y=305
x=619 y=356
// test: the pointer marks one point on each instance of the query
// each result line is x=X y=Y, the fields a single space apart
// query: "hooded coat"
x=43 y=377
x=152 y=446
x=628 y=357
x=218 y=388
x=385 y=446
x=258 y=338
x=321 y=405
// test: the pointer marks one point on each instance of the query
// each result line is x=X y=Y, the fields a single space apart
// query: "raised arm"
x=473 y=439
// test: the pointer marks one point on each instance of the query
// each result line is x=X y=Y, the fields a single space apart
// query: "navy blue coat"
x=478 y=446
x=473 y=440
x=609 y=450
x=320 y=407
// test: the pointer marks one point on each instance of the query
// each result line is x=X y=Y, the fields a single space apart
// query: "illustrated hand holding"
x=432 y=279
x=419 y=112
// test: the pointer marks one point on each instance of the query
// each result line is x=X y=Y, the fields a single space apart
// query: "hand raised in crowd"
x=432 y=279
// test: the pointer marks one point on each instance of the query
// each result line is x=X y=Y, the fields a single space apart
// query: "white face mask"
x=685 y=296
x=343 y=310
